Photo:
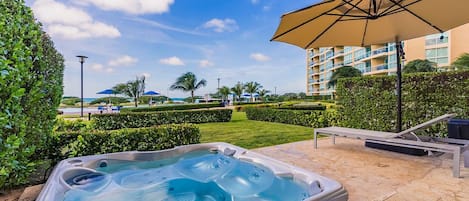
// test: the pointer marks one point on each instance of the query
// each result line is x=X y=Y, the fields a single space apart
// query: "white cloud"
x=136 y=7
x=70 y=22
x=259 y=57
x=255 y=1
x=220 y=25
x=205 y=63
x=146 y=75
x=173 y=61
x=100 y=68
x=266 y=8
x=125 y=60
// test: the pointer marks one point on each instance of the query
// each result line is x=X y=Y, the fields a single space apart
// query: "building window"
x=437 y=55
x=348 y=58
x=436 y=39
x=348 y=49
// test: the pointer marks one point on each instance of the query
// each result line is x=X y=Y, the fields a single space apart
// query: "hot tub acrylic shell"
x=56 y=186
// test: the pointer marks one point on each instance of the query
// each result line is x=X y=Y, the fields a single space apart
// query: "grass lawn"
x=253 y=134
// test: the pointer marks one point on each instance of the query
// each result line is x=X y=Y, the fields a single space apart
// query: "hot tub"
x=200 y=172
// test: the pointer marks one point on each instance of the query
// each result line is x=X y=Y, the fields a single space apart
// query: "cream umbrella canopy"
x=367 y=22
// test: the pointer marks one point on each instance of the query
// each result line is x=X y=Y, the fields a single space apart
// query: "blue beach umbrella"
x=151 y=94
x=107 y=92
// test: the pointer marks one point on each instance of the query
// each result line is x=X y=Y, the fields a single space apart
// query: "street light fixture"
x=81 y=59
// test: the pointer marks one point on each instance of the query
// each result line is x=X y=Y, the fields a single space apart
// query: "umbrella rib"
x=366 y=23
x=356 y=16
x=396 y=10
x=296 y=27
x=355 y=6
x=389 y=8
x=417 y=16
x=330 y=26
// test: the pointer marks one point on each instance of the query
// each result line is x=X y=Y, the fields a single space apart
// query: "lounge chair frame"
x=456 y=146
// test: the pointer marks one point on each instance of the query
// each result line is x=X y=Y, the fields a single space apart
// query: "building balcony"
x=380 y=52
x=382 y=67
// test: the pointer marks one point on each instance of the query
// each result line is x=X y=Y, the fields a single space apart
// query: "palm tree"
x=238 y=90
x=251 y=88
x=133 y=89
x=263 y=93
x=188 y=82
x=224 y=92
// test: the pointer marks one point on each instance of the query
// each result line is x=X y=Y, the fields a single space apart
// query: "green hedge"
x=72 y=144
x=370 y=102
x=304 y=107
x=138 y=120
x=315 y=119
x=31 y=73
x=173 y=107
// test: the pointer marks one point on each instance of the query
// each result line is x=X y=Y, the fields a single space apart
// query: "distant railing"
x=380 y=51
x=382 y=67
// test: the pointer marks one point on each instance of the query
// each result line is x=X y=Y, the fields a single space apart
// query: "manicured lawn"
x=253 y=134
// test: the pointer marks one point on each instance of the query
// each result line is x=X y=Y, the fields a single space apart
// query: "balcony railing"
x=382 y=67
x=338 y=65
x=380 y=51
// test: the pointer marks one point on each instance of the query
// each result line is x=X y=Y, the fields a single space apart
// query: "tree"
x=31 y=76
x=420 y=65
x=262 y=93
x=133 y=89
x=346 y=71
x=238 y=90
x=188 y=82
x=252 y=88
x=224 y=92
x=462 y=62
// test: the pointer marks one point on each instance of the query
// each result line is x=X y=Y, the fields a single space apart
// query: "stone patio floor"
x=370 y=174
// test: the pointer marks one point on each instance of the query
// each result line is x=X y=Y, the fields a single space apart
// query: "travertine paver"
x=371 y=174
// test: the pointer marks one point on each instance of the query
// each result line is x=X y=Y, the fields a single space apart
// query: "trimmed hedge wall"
x=370 y=102
x=315 y=119
x=172 y=107
x=303 y=107
x=138 y=120
x=72 y=144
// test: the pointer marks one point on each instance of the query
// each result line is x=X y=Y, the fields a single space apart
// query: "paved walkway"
x=370 y=174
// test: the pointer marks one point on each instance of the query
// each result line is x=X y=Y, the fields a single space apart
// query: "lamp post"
x=218 y=83
x=81 y=59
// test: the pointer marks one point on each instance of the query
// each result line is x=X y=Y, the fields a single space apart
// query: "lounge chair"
x=406 y=138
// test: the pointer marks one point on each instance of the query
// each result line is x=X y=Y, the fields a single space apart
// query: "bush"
x=72 y=144
x=63 y=125
x=243 y=107
x=309 y=118
x=370 y=102
x=137 y=120
x=71 y=101
x=173 y=107
x=114 y=100
x=304 y=107
x=31 y=73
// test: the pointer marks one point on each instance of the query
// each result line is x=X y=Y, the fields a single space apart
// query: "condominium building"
x=380 y=59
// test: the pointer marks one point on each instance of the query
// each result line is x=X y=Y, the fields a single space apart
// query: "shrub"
x=310 y=118
x=137 y=120
x=72 y=144
x=242 y=108
x=114 y=100
x=31 y=73
x=304 y=107
x=62 y=125
x=173 y=107
x=71 y=101
x=370 y=102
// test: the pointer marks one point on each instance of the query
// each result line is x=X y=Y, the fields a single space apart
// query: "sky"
x=163 y=39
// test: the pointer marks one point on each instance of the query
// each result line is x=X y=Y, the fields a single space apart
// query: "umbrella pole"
x=398 y=85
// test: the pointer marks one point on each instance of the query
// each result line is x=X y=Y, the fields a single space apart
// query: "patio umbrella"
x=151 y=94
x=108 y=92
x=367 y=22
